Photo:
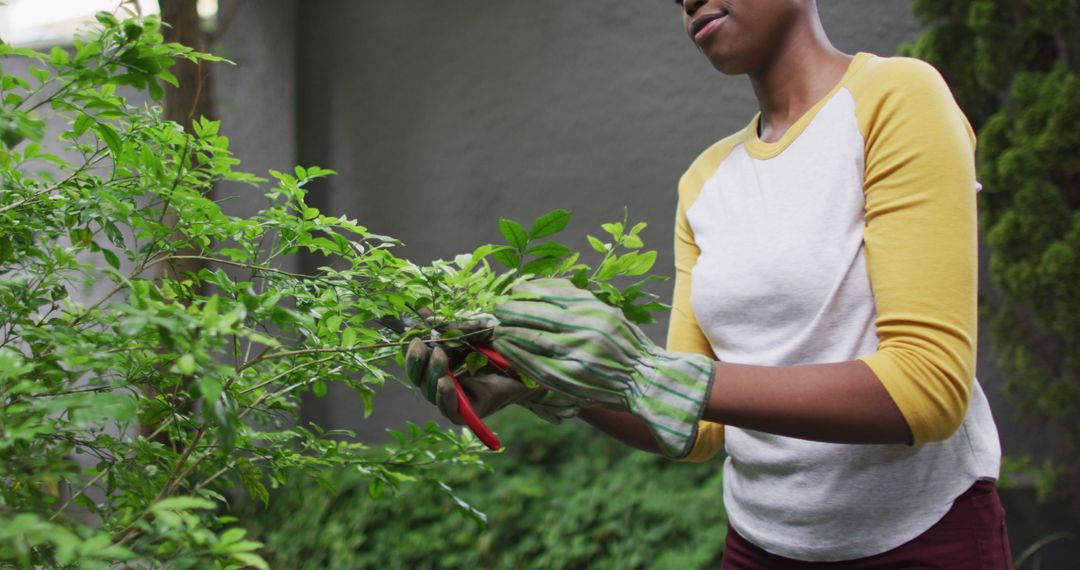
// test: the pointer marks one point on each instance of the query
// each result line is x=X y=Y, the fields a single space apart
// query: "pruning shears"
x=477 y=425
x=465 y=409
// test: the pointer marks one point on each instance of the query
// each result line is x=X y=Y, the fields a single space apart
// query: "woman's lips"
x=709 y=27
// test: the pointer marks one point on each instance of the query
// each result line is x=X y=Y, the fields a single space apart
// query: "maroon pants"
x=971 y=535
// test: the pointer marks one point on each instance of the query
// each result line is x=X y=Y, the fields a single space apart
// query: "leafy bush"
x=1013 y=68
x=557 y=497
x=125 y=417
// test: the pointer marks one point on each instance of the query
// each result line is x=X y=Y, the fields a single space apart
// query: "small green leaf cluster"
x=153 y=348
x=620 y=258
x=1013 y=68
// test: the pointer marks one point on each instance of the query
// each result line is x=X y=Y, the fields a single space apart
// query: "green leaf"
x=598 y=245
x=132 y=30
x=367 y=395
x=507 y=257
x=463 y=505
x=84 y=50
x=210 y=387
x=157 y=92
x=550 y=223
x=319 y=388
x=474 y=361
x=348 y=337
x=333 y=323
x=182 y=503
x=542 y=267
x=82 y=122
x=615 y=229
x=548 y=249
x=186 y=364
x=81 y=236
x=110 y=137
x=111 y=258
x=528 y=382
x=375 y=488
x=6 y=248
x=642 y=264
x=609 y=268
x=167 y=76
x=113 y=233
x=12 y=364
x=231 y=535
x=251 y=559
x=514 y=234
x=580 y=279
x=637 y=314
x=107 y=19
x=632 y=242
x=59 y=56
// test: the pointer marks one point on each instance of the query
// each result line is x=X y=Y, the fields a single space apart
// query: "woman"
x=823 y=329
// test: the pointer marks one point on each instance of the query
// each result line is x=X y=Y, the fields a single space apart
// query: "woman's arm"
x=837 y=403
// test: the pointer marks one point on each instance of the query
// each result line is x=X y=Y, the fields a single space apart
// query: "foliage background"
x=558 y=497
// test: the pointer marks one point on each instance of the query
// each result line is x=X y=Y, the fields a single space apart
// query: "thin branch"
x=263 y=397
x=103 y=472
x=245 y=266
x=131 y=531
x=283 y=374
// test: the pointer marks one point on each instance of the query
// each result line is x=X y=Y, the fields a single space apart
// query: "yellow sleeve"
x=684 y=334
x=921 y=242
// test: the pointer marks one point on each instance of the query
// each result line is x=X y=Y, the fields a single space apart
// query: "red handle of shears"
x=465 y=408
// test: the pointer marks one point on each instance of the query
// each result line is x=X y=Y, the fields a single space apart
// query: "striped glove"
x=488 y=390
x=571 y=342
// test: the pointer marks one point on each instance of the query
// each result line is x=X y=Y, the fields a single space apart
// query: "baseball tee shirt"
x=852 y=237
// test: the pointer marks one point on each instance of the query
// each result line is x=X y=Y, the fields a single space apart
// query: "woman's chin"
x=727 y=65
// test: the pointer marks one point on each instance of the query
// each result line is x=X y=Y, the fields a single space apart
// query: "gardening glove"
x=489 y=390
x=571 y=342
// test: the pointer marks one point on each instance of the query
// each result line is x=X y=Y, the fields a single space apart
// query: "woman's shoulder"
x=706 y=163
x=897 y=91
x=895 y=74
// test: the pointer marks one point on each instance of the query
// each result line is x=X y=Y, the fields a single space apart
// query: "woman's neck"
x=797 y=76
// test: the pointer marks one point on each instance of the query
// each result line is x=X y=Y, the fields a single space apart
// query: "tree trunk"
x=192 y=99
x=183 y=104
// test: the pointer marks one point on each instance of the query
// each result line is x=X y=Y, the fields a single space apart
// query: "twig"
x=263 y=397
x=283 y=374
x=105 y=471
x=244 y=265
x=131 y=531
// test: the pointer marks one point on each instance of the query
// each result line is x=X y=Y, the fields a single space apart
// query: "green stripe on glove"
x=571 y=342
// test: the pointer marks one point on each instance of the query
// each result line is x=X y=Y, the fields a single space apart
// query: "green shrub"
x=1013 y=68
x=559 y=497
x=125 y=416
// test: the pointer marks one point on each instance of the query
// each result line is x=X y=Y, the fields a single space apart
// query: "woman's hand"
x=571 y=342
x=489 y=390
